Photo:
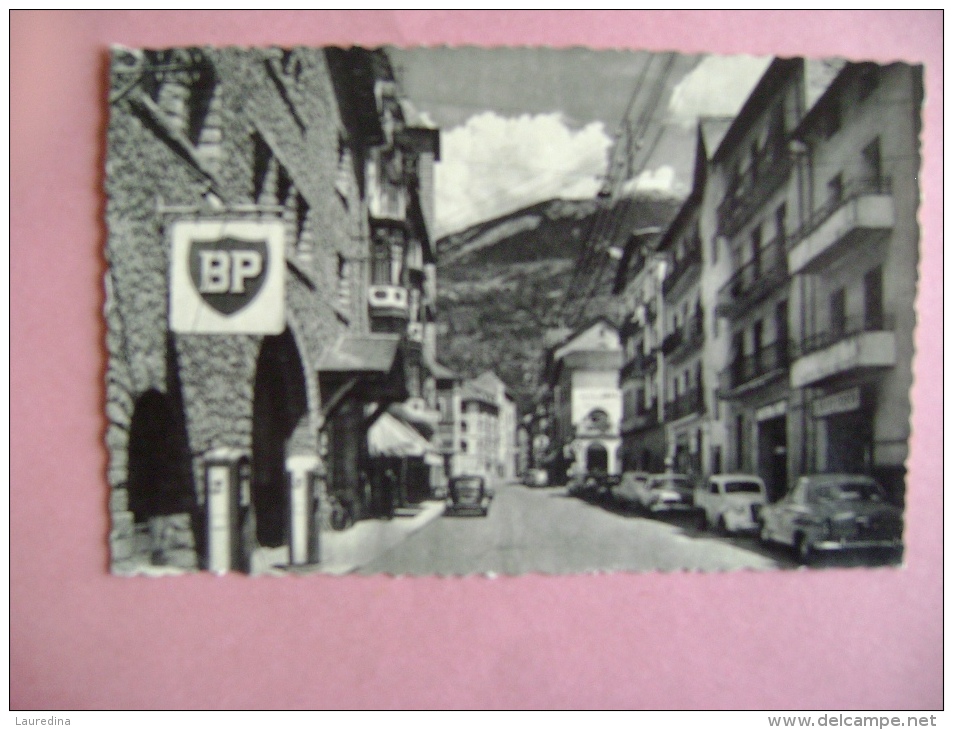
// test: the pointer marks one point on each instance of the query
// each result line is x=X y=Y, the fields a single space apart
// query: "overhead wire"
x=642 y=124
x=587 y=250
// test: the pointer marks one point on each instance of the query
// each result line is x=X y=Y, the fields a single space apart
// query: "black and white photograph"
x=500 y=311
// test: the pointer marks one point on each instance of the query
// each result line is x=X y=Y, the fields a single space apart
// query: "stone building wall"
x=206 y=383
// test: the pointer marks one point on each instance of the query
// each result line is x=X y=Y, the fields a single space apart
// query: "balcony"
x=688 y=403
x=855 y=344
x=748 y=193
x=750 y=372
x=754 y=281
x=386 y=300
x=863 y=212
x=686 y=340
x=645 y=416
x=386 y=201
x=690 y=262
x=640 y=364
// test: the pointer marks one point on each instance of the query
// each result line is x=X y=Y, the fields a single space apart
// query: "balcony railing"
x=672 y=340
x=750 y=191
x=691 y=259
x=388 y=300
x=639 y=364
x=755 y=280
x=856 y=215
x=686 y=338
x=852 y=191
x=846 y=346
x=691 y=401
x=842 y=330
x=645 y=416
x=770 y=358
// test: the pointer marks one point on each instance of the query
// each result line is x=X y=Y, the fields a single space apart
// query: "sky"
x=522 y=125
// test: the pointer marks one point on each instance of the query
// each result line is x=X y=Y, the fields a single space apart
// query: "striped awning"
x=389 y=436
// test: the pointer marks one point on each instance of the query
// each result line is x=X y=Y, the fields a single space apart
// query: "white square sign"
x=227 y=277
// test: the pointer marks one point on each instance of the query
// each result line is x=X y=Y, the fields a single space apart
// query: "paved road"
x=544 y=530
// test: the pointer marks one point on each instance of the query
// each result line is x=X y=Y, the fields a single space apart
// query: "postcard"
x=464 y=311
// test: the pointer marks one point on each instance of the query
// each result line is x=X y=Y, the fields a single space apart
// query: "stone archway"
x=597 y=458
x=279 y=418
x=159 y=475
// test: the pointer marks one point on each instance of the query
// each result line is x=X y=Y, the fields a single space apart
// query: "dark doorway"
x=773 y=456
x=597 y=458
x=159 y=472
x=849 y=442
x=280 y=406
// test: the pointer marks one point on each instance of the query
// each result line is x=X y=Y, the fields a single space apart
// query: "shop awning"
x=389 y=436
x=365 y=354
x=366 y=368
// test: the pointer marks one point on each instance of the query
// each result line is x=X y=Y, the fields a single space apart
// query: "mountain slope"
x=501 y=283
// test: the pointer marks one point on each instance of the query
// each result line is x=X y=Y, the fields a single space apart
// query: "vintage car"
x=536 y=478
x=626 y=491
x=827 y=512
x=468 y=493
x=665 y=493
x=731 y=502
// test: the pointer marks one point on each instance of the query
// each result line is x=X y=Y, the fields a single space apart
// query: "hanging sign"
x=227 y=277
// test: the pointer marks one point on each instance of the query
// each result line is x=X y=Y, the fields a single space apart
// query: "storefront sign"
x=843 y=402
x=227 y=277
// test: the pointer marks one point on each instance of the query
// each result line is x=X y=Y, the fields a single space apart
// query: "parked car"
x=665 y=493
x=829 y=512
x=626 y=491
x=468 y=494
x=731 y=502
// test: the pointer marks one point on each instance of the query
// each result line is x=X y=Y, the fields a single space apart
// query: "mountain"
x=502 y=283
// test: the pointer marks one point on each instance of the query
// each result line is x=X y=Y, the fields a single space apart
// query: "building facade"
x=755 y=206
x=582 y=374
x=505 y=467
x=775 y=314
x=853 y=261
x=248 y=353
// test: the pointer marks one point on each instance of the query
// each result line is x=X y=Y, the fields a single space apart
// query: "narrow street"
x=545 y=530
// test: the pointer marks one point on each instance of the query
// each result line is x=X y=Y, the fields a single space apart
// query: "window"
x=740 y=442
x=756 y=251
x=873 y=299
x=838 y=312
x=463 y=426
x=780 y=222
x=835 y=188
x=443 y=402
x=871 y=162
x=463 y=447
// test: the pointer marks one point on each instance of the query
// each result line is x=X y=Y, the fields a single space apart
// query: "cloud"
x=716 y=87
x=493 y=164
x=660 y=180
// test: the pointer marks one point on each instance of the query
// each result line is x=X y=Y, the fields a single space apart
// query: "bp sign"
x=227 y=277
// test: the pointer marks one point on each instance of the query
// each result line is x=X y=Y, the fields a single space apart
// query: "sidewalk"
x=345 y=552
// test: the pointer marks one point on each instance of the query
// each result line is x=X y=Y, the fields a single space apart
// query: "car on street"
x=469 y=493
x=536 y=478
x=833 y=512
x=626 y=491
x=665 y=493
x=731 y=502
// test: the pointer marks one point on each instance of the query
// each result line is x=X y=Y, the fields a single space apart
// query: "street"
x=545 y=530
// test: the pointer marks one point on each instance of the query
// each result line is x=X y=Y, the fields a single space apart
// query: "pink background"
x=82 y=639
